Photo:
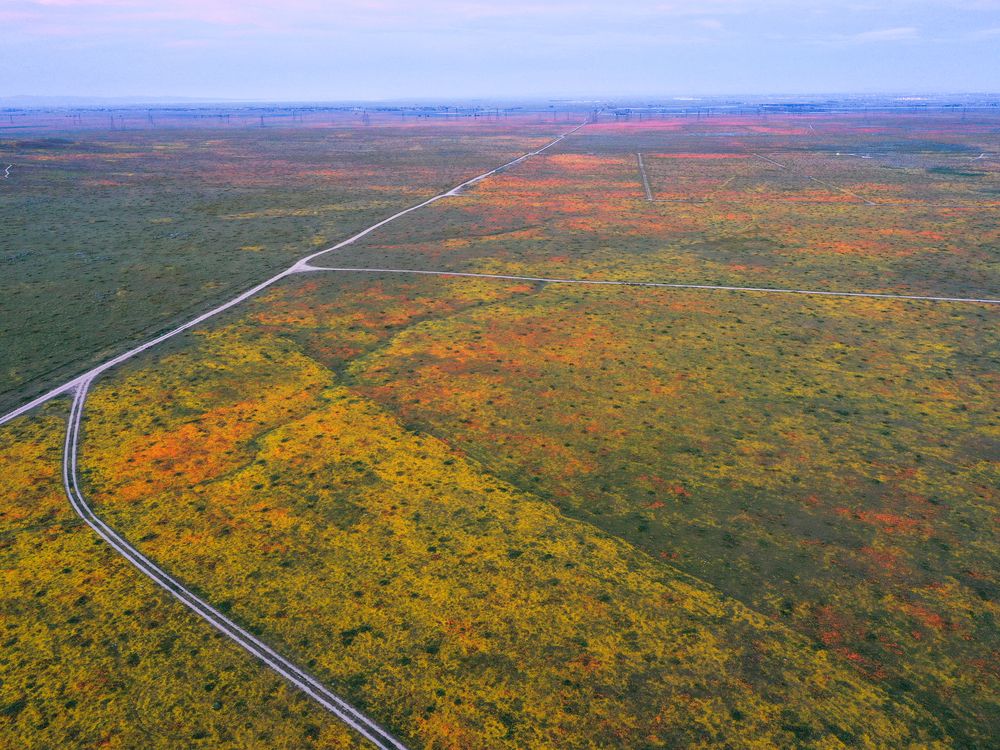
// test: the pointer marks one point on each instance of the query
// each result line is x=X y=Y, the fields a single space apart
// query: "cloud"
x=897 y=34
x=302 y=12
x=230 y=28
x=985 y=33
x=104 y=18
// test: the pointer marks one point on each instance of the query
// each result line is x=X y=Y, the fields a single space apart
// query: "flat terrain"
x=113 y=236
x=96 y=656
x=501 y=513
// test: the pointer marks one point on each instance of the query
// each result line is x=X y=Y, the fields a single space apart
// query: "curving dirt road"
x=79 y=387
x=298 y=677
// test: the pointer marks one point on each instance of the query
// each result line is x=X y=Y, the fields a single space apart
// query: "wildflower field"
x=519 y=513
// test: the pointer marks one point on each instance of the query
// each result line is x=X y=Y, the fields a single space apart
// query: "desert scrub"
x=451 y=605
x=95 y=655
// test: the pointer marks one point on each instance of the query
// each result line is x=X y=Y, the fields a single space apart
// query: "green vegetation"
x=458 y=609
x=829 y=463
x=94 y=655
x=722 y=216
x=112 y=237
x=515 y=515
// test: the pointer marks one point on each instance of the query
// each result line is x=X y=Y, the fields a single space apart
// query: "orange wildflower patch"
x=699 y=155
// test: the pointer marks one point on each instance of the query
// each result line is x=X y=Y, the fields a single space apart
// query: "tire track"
x=663 y=285
x=787 y=168
x=645 y=179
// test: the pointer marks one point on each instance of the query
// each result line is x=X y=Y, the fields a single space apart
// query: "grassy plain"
x=111 y=237
x=460 y=609
x=497 y=514
x=831 y=464
x=724 y=216
x=94 y=655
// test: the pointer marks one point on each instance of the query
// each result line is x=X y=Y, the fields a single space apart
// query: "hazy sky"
x=378 y=49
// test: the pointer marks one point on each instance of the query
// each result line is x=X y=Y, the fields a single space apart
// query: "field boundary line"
x=816 y=179
x=664 y=285
x=645 y=179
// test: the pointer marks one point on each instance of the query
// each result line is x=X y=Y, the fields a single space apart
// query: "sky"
x=339 y=50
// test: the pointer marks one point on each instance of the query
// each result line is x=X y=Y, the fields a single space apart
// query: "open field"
x=509 y=514
x=110 y=237
x=465 y=610
x=582 y=212
x=95 y=656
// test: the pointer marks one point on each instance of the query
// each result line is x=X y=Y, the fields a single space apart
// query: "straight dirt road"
x=659 y=284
